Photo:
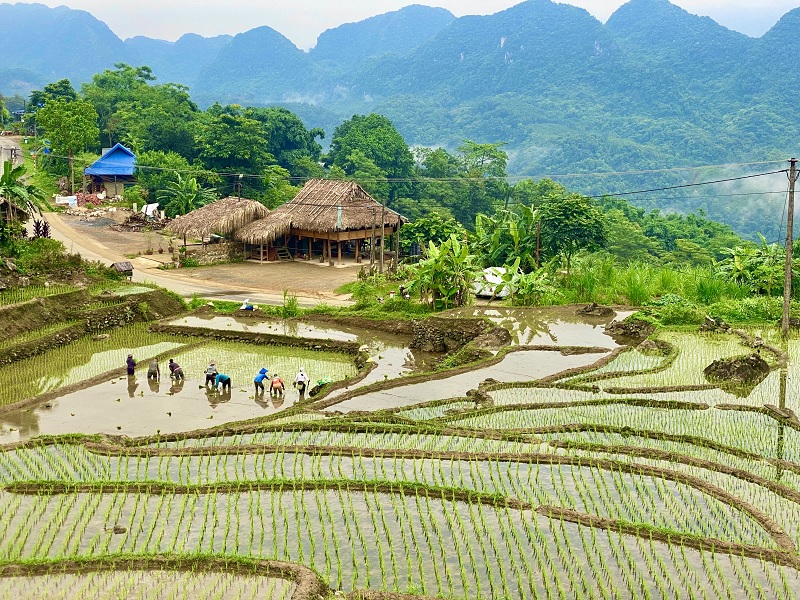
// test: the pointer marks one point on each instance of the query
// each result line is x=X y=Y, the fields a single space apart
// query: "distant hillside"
x=179 y=61
x=655 y=87
x=57 y=42
x=397 y=32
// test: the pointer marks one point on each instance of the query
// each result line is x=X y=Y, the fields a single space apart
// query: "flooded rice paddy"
x=544 y=474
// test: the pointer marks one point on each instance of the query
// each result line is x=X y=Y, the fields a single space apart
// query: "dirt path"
x=7 y=145
x=263 y=284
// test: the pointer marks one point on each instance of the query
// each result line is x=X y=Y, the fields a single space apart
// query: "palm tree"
x=17 y=196
x=184 y=195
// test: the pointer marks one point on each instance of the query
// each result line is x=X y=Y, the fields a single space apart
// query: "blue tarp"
x=117 y=161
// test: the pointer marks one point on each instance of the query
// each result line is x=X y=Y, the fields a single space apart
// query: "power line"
x=688 y=185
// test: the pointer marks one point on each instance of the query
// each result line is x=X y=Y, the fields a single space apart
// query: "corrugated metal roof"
x=117 y=161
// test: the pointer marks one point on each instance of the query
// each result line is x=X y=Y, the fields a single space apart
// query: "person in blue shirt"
x=224 y=380
x=259 y=380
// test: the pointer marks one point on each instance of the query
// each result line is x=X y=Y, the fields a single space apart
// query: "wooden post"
x=261 y=253
x=397 y=243
x=372 y=242
x=383 y=236
x=339 y=248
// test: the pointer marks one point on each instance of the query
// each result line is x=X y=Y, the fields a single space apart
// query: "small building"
x=222 y=217
x=111 y=171
x=13 y=212
x=327 y=218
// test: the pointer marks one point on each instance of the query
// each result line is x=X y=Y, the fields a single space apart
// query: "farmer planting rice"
x=259 y=380
x=175 y=370
x=130 y=364
x=301 y=382
x=276 y=387
x=223 y=380
x=211 y=373
x=154 y=370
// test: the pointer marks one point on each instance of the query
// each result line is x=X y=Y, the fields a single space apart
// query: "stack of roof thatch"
x=222 y=216
x=322 y=206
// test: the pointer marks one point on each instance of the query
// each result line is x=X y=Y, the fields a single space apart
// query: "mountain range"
x=653 y=88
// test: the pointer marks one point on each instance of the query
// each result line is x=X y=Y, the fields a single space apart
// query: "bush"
x=759 y=309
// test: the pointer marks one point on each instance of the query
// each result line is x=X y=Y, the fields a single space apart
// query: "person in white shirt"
x=301 y=382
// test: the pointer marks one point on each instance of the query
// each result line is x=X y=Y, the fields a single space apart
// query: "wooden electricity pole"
x=787 y=271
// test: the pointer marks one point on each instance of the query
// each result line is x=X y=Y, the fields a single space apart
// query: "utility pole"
x=787 y=271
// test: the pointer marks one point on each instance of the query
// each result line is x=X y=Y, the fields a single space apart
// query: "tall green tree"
x=230 y=142
x=378 y=140
x=288 y=139
x=109 y=89
x=71 y=127
x=571 y=223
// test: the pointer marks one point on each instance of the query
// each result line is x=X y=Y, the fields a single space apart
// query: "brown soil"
x=595 y=310
x=738 y=375
x=630 y=330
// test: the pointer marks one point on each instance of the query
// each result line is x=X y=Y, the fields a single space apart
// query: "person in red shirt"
x=276 y=387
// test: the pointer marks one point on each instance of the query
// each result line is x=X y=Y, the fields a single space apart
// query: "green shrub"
x=758 y=309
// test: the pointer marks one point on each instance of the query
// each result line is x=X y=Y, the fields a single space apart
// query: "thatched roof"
x=222 y=216
x=322 y=206
x=14 y=211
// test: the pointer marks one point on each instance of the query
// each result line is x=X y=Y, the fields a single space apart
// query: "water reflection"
x=548 y=326
x=177 y=385
x=132 y=385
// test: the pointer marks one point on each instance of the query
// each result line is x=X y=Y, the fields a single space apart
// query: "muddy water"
x=134 y=406
x=516 y=366
x=389 y=352
x=276 y=327
x=551 y=325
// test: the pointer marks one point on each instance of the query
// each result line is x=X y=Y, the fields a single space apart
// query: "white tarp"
x=66 y=200
x=488 y=281
x=150 y=210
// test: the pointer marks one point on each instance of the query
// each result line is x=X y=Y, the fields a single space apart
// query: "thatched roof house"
x=328 y=210
x=222 y=216
x=15 y=212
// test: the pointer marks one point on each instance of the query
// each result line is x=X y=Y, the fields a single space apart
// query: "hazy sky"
x=303 y=20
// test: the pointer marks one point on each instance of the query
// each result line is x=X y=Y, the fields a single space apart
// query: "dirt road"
x=9 y=147
x=312 y=284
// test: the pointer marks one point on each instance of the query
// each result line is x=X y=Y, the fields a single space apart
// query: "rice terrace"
x=568 y=460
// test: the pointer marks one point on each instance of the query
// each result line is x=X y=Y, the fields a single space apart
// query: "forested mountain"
x=655 y=87
x=397 y=32
x=179 y=61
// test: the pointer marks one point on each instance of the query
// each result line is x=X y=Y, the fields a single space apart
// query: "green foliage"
x=135 y=194
x=759 y=309
x=381 y=149
x=184 y=195
x=290 y=307
x=445 y=277
x=759 y=267
x=71 y=126
x=17 y=194
x=507 y=234
x=569 y=224
x=430 y=228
